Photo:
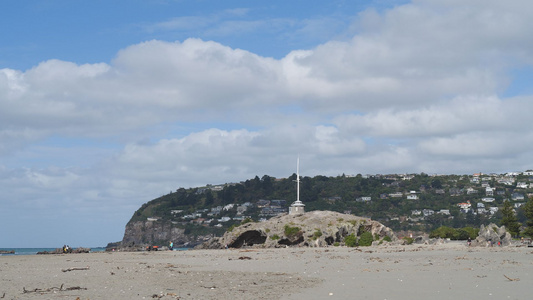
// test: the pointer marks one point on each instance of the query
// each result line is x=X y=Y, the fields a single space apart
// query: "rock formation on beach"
x=491 y=235
x=312 y=229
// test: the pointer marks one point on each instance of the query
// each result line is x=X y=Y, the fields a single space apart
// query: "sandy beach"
x=446 y=271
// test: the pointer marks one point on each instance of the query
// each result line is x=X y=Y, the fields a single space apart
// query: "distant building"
x=363 y=199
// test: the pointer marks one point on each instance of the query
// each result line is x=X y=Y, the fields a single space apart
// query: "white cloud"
x=415 y=89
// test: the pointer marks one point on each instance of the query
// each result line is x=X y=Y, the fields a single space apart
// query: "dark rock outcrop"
x=312 y=229
x=140 y=234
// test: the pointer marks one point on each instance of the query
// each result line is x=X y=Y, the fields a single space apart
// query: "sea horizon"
x=32 y=251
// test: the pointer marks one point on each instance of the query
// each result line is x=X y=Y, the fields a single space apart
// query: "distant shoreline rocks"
x=60 y=251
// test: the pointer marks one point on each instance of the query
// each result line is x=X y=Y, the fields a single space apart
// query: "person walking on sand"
x=171 y=246
x=469 y=241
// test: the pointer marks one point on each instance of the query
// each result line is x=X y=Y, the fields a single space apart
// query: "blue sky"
x=105 y=105
x=69 y=30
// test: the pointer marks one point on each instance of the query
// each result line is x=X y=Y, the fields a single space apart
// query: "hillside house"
x=488 y=199
x=465 y=205
x=241 y=209
x=363 y=199
x=228 y=207
x=428 y=212
x=444 y=212
x=517 y=196
x=263 y=203
x=455 y=192
x=489 y=191
x=471 y=191
x=521 y=185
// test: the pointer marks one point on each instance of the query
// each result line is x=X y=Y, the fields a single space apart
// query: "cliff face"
x=140 y=233
x=312 y=229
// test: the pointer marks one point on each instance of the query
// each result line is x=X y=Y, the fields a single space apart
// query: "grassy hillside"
x=391 y=199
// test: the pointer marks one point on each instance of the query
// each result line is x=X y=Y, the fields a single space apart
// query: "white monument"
x=297 y=207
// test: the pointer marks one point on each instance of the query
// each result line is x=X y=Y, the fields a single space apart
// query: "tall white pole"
x=298 y=179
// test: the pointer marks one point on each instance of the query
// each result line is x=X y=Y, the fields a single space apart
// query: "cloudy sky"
x=105 y=105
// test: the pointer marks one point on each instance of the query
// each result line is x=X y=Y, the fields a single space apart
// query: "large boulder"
x=491 y=235
x=312 y=229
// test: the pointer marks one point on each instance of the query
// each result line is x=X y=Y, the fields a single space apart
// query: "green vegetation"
x=317 y=234
x=408 y=240
x=350 y=240
x=528 y=211
x=291 y=231
x=509 y=219
x=275 y=237
x=366 y=239
x=454 y=234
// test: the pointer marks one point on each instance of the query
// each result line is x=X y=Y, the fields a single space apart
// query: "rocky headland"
x=139 y=234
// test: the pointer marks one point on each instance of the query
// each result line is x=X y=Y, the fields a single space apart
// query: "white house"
x=521 y=185
x=470 y=191
x=465 y=205
x=428 y=212
x=364 y=199
x=229 y=206
x=412 y=197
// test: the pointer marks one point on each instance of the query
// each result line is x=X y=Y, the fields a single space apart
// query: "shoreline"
x=442 y=271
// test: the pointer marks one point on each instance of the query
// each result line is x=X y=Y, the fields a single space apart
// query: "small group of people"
x=67 y=249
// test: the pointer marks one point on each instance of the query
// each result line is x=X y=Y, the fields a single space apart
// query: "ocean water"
x=33 y=251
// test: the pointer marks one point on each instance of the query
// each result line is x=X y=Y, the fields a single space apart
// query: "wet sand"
x=447 y=271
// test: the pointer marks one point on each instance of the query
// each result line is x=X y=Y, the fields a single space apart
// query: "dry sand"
x=448 y=271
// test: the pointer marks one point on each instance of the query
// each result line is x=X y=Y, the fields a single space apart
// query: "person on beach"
x=469 y=241
x=171 y=246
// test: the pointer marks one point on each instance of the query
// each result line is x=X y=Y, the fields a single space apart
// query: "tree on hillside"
x=509 y=218
x=528 y=211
